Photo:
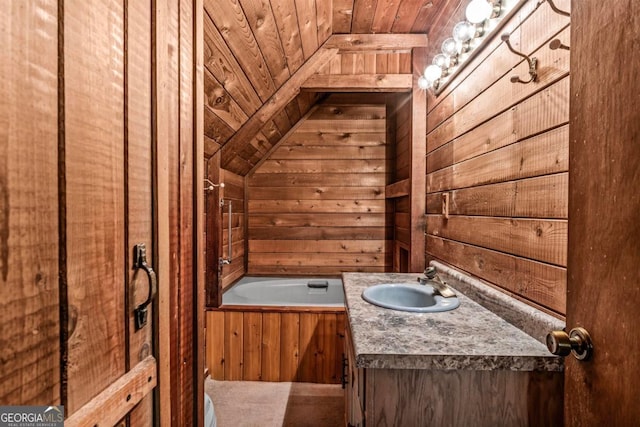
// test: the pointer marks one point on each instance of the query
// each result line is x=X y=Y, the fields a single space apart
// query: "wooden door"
x=76 y=198
x=604 y=213
x=107 y=200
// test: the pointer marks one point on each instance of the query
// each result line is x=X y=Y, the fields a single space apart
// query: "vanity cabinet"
x=428 y=397
x=465 y=367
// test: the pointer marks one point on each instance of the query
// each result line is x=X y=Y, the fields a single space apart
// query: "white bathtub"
x=286 y=292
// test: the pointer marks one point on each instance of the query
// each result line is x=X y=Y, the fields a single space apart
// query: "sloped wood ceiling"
x=258 y=54
x=388 y=16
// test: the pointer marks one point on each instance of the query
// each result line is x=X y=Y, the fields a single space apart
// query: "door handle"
x=576 y=342
x=344 y=379
x=140 y=261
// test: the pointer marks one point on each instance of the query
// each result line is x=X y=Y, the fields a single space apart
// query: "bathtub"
x=278 y=329
x=285 y=292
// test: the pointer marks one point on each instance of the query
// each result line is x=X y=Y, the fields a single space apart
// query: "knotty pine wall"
x=500 y=151
x=317 y=204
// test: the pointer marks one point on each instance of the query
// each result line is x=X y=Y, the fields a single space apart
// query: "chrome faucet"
x=439 y=286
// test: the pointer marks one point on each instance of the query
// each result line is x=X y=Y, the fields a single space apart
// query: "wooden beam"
x=359 y=83
x=114 y=402
x=396 y=43
x=397 y=189
x=199 y=256
x=418 y=163
x=278 y=101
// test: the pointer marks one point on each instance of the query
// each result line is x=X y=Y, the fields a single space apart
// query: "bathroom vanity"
x=462 y=367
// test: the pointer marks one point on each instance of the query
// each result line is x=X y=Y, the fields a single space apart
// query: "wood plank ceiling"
x=258 y=53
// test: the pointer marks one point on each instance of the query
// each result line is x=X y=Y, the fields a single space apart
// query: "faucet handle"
x=430 y=272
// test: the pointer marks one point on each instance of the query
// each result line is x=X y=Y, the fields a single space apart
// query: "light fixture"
x=432 y=73
x=483 y=17
x=423 y=83
x=464 y=31
x=442 y=61
x=450 y=47
x=478 y=11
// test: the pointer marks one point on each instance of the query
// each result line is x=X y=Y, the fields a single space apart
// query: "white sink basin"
x=409 y=297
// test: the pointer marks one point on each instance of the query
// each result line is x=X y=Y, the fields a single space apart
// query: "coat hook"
x=532 y=61
x=211 y=185
x=557 y=44
x=555 y=8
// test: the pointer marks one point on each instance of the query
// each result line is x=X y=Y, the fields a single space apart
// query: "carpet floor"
x=267 y=404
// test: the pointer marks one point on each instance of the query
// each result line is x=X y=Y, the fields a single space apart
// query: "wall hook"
x=532 y=61
x=557 y=44
x=211 y=185
x=555 y=8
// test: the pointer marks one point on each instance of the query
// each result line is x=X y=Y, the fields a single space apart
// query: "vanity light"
x=450 y=47
x=480 y=16
x=432 y=73
x=442 y=61
x=478 y=11
x=463 y=32
x=423 y=83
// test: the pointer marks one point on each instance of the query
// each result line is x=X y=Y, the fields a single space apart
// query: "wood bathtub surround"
x=263 y=344
x=499 y=152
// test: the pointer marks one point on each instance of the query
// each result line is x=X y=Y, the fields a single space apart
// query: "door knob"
x=577 y=342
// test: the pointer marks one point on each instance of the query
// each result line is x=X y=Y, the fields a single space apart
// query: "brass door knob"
x=577 y=342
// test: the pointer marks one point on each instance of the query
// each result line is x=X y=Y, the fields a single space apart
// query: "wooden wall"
x=265 y=345
x=29 y=247
x=317 y=204
x=400 y=193
x=499 y=150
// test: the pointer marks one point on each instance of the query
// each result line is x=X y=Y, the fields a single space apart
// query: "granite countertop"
x=469 y=337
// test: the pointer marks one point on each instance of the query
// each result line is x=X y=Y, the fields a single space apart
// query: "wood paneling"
x=499 y=152
x=215 y=342
x=400 y=191
x=139 y=173
x=269 y=345
x=329 y=193
x=418 y=150
x=536 y=281
x=544 y=154
x=95 y=192
x=29 y=245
